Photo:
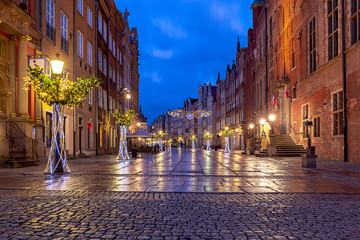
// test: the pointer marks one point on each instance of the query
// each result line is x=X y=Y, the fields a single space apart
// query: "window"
x=333 y=31
x=89 y=17
x=100 y=136
x=100 y=59
x=293 y=53
x=114 y=80
x=104 y=30
x=64 y=32
x=105 y=99
x=312 y=46
x=118 y=54
x=338 y=113
x=305 y=118
x=90 y=135
x=110 y=73
x=100 y=23
x=89 y=53
x=113 y=47
x=80 y=44
x=48 y=129
x=355 y=21
x=271 y=33
x=80 y=6
x=316 y=124
x=50 y=20
x=90 y=96
x=104 y=66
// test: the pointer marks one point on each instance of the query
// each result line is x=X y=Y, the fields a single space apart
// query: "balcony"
x=50 y=31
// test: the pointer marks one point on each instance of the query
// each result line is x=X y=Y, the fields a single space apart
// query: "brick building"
x=93 y=39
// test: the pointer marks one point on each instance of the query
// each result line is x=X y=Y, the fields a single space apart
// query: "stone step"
x=18 y=163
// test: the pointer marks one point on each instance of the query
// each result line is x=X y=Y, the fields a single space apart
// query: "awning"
x=140 y=133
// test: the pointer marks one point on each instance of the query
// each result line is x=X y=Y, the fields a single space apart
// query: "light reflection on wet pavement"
x=185 y=170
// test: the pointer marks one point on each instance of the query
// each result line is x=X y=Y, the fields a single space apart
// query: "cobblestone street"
x=182 y=194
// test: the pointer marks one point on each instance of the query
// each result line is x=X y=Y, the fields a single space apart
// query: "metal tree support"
x=161 y=148
x=169 y=146
x=123 y=152
x=208 y=148
x=227 y=145
x=193 y=144
x=57 y=158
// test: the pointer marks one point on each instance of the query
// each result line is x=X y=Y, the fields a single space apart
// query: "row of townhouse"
x=93 y=38
x=301 y=65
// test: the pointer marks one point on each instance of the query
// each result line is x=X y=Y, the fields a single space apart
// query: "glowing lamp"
x=262 y=121
x=57 y=65
x=272 y=117
x=251 y=126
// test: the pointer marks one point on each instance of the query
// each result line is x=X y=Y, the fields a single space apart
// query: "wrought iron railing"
x=296 y=133
x=17 y=140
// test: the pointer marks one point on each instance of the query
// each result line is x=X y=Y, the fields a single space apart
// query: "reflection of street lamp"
x=272 y=119
x=57 y=68
x=262 y=122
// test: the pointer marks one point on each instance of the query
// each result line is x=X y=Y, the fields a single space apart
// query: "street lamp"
x=272 y=119
x=57 y=68
x=262 y=122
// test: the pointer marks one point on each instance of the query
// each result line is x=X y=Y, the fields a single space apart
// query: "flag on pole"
x=273 y=100
x=286 y=93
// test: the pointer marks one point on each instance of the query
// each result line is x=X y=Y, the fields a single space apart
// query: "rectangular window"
x=80 y=44
x=104 y=30
x=118 y=54
x=100 y=96
x=110 y=73
x=312 y=46
x=355 y=21
x=113 y=47
x=271 y=33
x=90 y=96
x=64 y=32
x=48 y=129
x=316 y=124
x=100 y=23
x=100 y=136
x=80 y=6
x=333 y=31
x=305 y=118
x=90 y=135
x=89 y=17
x=110 y=42
x=293 y=53
x=89 y=53
x=100 y=59
x=104 y=66
x=50 y=19
x=338 y=113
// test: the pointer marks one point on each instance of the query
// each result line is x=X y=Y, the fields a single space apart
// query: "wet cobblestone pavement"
x=182 y=194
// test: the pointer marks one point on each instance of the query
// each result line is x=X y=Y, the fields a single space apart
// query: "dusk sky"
x=184 y=43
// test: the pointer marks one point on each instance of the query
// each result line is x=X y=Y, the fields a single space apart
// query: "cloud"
x=162 y=54
x=154 y=77
x=169 y=28
x=228 y=14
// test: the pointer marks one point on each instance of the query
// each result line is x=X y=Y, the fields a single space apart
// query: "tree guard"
x=227 y=145
x=123 y=151
x=57 y=162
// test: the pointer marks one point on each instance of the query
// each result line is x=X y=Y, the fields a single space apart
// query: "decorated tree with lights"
x=124 y=120
x=208 y=136
x=58 y=92
x=227 y=132
x=193 y=138
x=160 y=135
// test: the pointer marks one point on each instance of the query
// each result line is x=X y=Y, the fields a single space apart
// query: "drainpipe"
x=97 y=75
x=266 y=63
x=344 y=81
x=74 y=72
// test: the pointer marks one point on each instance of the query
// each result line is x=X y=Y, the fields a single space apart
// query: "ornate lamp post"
x=208 y=136
x=124 y=120
x=58 y=92
x=272 y=119
x=227 y=132
x=193 y=138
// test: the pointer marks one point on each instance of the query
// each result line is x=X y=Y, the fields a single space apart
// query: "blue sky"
x=184 y=43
